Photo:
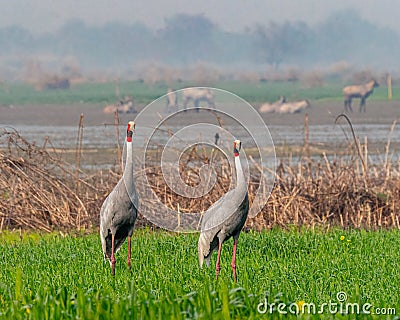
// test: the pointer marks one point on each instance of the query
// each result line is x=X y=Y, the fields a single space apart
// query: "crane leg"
x=217 y=266
x=234 y=259
x=112 y=254
x=129 y=252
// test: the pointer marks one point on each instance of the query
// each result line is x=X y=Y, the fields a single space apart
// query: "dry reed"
x=38 y=190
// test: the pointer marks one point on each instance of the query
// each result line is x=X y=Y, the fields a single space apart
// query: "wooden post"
x=116 y=122
x=307 y=142
x=389 y=86
x=78 y=155
x=366 y=154
x=78 y=151
x=306 y=136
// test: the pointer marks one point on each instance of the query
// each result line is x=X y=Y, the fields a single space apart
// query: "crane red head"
x=129 y=131
x=236 y=147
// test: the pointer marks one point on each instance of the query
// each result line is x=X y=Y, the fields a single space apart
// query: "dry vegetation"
x=41 y=191
x=337 y=193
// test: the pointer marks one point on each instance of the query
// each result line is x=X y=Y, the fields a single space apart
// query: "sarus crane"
x=119 y=210
x=225 y=219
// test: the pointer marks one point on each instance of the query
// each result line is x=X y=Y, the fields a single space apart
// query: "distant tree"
x=346 y=36
x=277 y=43
x=187 y=38
x=110 y=45
x=123 y=44
x=196 y=41
x=73 y=37
x=15 y=39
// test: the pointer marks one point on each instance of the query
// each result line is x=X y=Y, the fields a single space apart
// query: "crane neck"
x=240 y=180
x=129 y=148
x=129 y=161
x=127 y=177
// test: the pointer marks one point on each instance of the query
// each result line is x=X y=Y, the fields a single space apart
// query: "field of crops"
x=54 y=276
x=283 y=270
x=144 y=93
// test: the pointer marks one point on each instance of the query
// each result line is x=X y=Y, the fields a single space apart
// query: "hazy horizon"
x=128 y=39
x=47 y=16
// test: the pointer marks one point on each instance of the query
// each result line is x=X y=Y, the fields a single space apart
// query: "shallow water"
x=329 y=136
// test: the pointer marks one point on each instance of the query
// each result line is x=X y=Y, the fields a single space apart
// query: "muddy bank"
x=320 y=112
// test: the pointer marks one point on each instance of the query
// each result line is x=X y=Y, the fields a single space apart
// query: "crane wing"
x=222 y=210
x=118 y=207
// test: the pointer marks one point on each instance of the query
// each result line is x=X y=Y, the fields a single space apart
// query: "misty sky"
x=232 y=15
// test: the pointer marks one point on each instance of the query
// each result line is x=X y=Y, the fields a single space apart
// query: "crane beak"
x=130 y=130
x=237 y=144
x=236 y=147
x=131 y=126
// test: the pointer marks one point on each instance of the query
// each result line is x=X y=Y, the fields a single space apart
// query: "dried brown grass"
x=39 y=190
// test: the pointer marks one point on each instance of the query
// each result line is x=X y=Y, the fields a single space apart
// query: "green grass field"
x=19 y=94
x=55 y=277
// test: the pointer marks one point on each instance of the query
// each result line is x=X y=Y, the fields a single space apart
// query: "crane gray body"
x=228 y=216
x=119 y=210
x=225 y=218
x=117 y=216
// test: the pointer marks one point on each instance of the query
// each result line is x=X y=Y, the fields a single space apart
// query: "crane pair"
x=223 y=220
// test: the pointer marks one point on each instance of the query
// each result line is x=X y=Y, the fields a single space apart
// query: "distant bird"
x=216 y=138
x=225 y=219
x=119 y=211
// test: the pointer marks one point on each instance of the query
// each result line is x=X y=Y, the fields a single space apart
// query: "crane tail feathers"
x=201 y=251
x=201 y=259
x=204 y=251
